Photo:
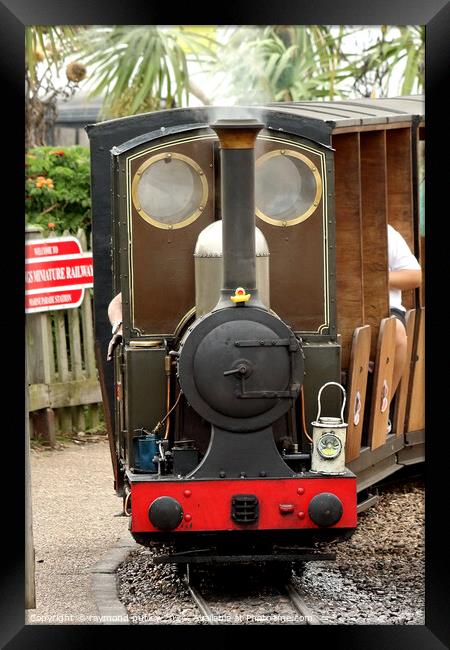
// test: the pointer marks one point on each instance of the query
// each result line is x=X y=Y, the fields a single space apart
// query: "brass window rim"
x=149 y=218
x=313 y=169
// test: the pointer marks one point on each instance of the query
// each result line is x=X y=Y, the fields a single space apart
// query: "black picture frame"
x=435 y=14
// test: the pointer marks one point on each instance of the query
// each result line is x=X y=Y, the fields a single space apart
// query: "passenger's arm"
x=405 y=279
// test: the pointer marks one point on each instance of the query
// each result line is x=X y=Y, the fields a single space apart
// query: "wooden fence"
x=63 y=388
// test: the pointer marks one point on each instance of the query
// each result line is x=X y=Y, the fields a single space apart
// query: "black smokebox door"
x=224 y=371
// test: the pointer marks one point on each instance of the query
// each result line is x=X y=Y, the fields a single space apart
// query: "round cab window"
x=288 y=187
x=169 y=190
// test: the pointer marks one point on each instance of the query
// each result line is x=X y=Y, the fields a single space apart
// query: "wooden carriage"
x=378 y=168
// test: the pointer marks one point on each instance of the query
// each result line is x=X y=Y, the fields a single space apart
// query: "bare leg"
x=401 y=343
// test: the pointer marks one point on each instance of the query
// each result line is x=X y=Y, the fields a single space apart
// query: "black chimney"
x=237 y=145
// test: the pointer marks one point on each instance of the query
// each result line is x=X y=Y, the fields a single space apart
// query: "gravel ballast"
x=377 y=578
x=379 y=575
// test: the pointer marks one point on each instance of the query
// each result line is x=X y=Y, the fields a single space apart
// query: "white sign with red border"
x=57 y=272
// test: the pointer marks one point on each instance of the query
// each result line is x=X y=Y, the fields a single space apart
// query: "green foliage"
x=57 y=188
x=49 y=44
x=398 y=51
x=302 y=63
x=279 y=63
x=141 y=68
x=46 y=49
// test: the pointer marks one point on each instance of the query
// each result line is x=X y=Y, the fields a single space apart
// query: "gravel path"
x=377 y=578
x=74 y=504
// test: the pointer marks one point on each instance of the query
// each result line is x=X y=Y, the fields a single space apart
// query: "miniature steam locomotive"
x=218 y=226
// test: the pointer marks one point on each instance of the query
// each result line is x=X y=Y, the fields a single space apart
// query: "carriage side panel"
x=349 y=259
x=400 y=191
x=374 y=230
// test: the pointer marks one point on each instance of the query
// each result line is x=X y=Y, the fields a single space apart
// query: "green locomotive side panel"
x=145 y=394
x=322 y=364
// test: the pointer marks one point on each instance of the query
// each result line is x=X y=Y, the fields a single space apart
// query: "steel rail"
x=295 y=598
x=199 y=600
x=301 y=607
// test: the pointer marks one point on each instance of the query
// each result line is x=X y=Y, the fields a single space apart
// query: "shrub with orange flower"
x=57 y=188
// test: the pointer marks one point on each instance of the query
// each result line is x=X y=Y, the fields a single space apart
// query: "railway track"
x=302 y=612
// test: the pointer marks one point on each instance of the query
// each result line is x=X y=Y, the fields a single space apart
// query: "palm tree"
x=279 y=63
x=293 y=63
x=143 y=68
x=46 y=51
x=398 y=50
